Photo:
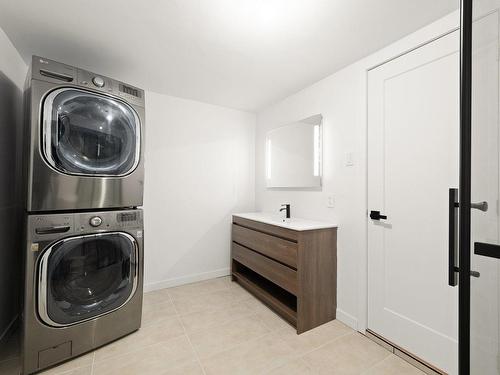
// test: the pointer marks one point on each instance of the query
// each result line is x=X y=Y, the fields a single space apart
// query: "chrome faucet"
x=286 y=207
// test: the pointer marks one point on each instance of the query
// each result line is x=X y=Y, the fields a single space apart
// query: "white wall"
x=12 y=75
x=341 y=98
x=199 y=170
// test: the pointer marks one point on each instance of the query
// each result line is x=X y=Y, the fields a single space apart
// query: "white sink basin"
x=292 y=223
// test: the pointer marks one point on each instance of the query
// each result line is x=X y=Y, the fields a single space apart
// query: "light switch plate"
x=330 y=201
x=349 y=159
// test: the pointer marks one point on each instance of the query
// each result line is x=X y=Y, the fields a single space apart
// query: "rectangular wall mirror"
x=294 y=155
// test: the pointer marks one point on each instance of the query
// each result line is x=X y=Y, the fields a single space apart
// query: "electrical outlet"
x=330 y=202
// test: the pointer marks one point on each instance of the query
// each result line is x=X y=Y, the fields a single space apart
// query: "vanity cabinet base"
x=292 y=272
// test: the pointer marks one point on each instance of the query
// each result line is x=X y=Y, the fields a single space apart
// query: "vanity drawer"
x=274 y=247
x=273 y=230
x=276 y=272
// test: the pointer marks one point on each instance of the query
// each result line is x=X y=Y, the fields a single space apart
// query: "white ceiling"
x=243 y=54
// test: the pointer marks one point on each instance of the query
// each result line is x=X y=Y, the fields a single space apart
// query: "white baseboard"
x=186 y=279
x=347 y=319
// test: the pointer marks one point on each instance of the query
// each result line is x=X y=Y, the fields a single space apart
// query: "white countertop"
x=292 y=223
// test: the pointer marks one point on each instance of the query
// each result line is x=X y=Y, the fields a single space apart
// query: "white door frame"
x=362 y=321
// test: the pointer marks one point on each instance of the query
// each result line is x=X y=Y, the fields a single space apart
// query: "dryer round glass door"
x=83 y=277
x=87 y=133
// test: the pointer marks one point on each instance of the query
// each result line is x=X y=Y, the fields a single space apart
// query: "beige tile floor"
x=216 y=327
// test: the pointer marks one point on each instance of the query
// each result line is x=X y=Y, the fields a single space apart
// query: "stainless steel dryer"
x=83 y=283
x=85 y=137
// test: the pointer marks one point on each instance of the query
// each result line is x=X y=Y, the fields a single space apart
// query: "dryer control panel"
x=55 y=72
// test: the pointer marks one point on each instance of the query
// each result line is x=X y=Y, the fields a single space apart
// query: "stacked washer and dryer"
x=84 y=175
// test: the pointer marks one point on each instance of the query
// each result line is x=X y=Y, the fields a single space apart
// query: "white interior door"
x=413 y=128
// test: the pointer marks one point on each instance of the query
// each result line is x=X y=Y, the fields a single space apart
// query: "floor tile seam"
x=150 y=304
x=298 y=356
x=197 y=357
x=377 y=363
x=271 y=369
x=163 y=290
x=253 y=313
x=93 y=362
x=246 y=315
x=224 y=305
x=302 y=355
x=161 y=342
x=307 y=365
x=237 y=345
x=338 y=338
x=62 y=372
x=294 y=357
x=171 y=298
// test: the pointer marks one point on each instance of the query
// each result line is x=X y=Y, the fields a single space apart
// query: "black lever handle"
x=376 y=215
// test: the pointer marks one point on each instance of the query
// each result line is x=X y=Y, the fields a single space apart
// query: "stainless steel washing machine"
x=84 y=140
x=83 y=283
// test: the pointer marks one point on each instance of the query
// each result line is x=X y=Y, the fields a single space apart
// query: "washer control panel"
x=107 y=220
x=47 y=227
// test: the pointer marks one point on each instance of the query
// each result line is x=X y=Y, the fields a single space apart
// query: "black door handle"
x=452 y=237
x=376 y=215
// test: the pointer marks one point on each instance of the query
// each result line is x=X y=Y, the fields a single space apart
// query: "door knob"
x=376 y=215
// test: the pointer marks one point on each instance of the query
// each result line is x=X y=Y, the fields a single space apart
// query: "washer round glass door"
x=87 y=133
x=83 y=277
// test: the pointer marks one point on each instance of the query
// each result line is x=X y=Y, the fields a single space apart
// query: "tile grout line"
x=93 y=362
x=387 y=358
x=298 y=357
x=301 y=356
x=222 y=307
x=338 y=338
x=244 y=342
x=303 y=361
x=376 y=364
x=187 y=337
x=325 y=344
x=253 y=313
x=241 y=344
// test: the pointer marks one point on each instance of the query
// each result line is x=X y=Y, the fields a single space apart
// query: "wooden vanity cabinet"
x=293 y=272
